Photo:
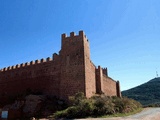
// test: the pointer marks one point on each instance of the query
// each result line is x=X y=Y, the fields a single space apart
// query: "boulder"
x=33 y=104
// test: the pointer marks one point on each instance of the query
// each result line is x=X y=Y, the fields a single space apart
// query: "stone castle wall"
x=40 y=76
x=67 y=73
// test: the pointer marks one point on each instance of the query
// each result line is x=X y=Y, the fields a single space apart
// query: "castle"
x=65 y=74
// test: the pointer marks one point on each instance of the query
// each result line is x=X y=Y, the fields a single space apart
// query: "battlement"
x=71 y=43
x=73 y=34
x=105 y=71
x=22 y=65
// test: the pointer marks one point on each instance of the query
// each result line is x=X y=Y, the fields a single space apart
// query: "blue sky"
x=124 y=35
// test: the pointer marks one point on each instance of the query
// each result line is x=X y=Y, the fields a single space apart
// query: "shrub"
x=125 y=105
x=97 y=106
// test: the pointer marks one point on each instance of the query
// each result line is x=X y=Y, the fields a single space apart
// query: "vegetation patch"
x=123 y=114
x=147 y=94
x=96 y=106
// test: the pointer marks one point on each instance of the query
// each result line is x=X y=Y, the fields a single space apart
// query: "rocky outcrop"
x=28 y=107
x=32 y=105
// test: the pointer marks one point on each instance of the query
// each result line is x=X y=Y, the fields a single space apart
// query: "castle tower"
x=64 y=75
x=75 y=57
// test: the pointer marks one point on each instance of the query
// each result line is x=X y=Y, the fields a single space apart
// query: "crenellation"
x=105 y=71
x=48 y=59
x=8 y=68
x=14 y=67
x=72 y=34
x=32 y=63
x=81 y=33
x=22 y=65
x=43 y=60
x=64 y=36
x=17 y=66
x=27 y=64
x=37 y=61
x=54 y=57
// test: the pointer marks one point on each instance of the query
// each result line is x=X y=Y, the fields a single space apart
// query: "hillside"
x=147 y=93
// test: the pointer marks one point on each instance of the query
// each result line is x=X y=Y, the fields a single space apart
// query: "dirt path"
x=146 y=114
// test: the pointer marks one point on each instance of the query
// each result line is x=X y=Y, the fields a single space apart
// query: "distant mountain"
x=147 y=93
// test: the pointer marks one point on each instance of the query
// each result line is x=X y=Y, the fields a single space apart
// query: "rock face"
x=32 y=105
x=28 y=107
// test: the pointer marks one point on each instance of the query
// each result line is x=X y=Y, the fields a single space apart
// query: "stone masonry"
x=65 y=74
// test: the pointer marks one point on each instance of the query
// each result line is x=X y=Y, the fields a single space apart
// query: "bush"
x=102 y=105
x=97 y=106
x=125 y=105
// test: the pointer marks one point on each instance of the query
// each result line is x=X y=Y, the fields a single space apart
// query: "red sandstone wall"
x=99 y=80
x=40 y=77
x=72 y=65
x=109 y=86
x=90 y=78
x=90 y=81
